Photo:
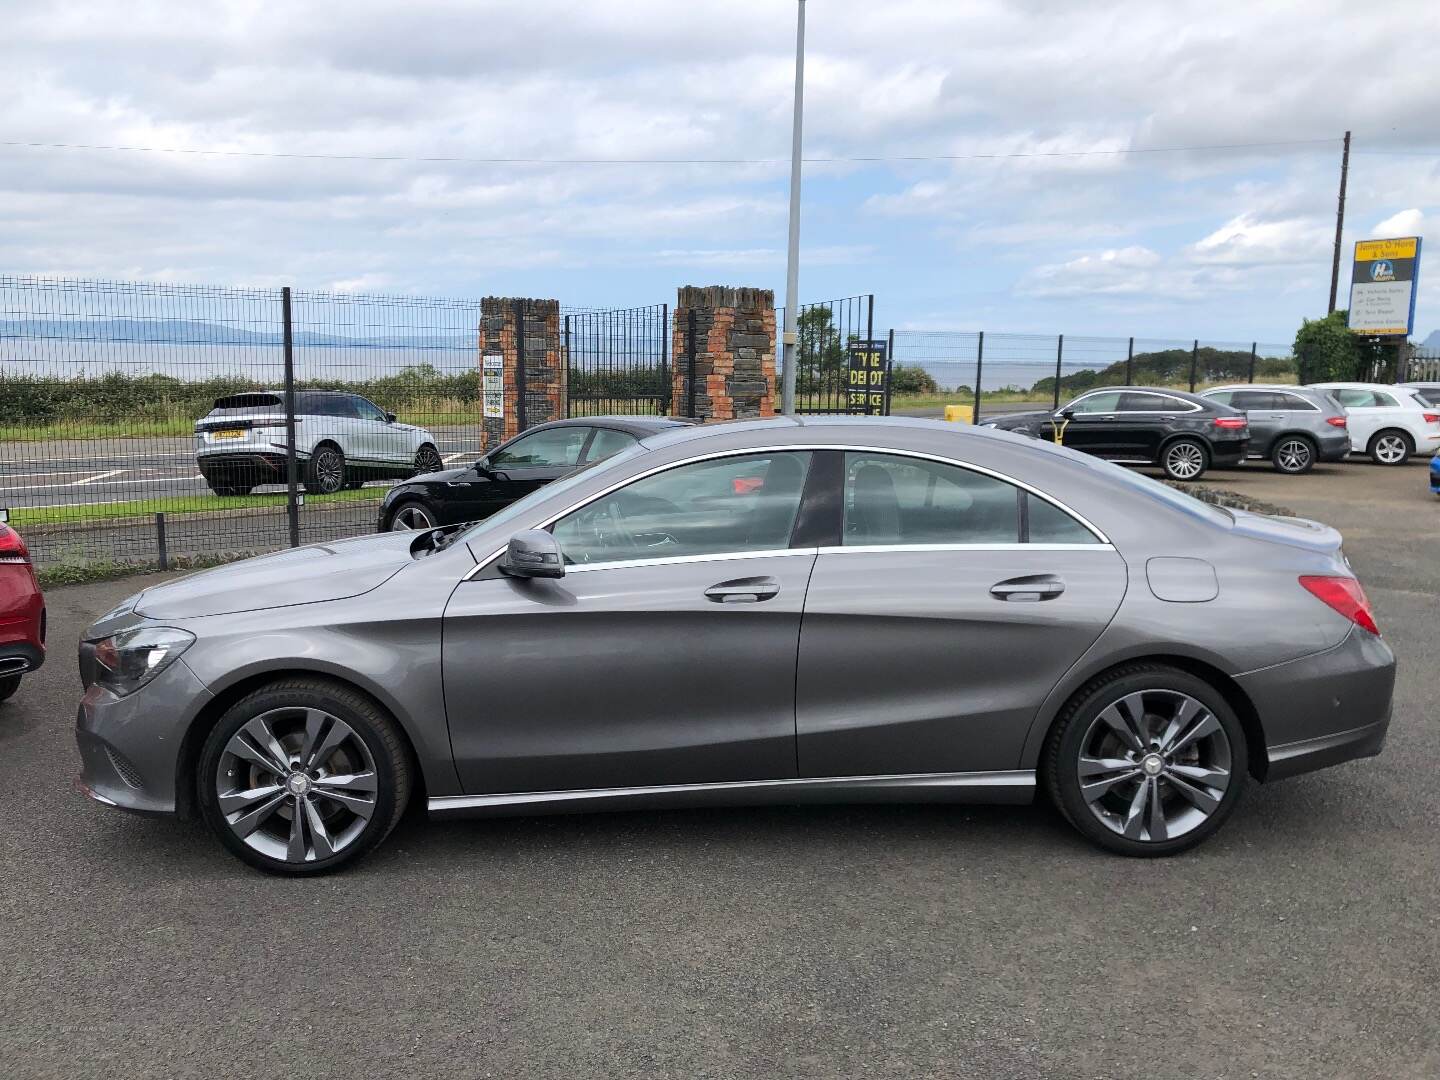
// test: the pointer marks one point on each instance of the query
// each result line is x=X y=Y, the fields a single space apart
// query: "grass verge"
x=85 y=514
x=56 y=575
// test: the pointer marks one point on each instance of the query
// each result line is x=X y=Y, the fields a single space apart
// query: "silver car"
x=836 y=609
x=1292 y=427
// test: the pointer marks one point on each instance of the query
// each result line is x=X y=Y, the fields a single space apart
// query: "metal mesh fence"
x=618 y=361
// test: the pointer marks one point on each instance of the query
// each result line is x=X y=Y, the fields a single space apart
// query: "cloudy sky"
x=1229 y=244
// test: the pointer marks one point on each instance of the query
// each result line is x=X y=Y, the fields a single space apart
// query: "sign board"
x=867 y=378
x=1382 y=286
x=492 y=385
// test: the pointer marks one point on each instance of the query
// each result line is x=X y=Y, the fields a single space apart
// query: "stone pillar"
x=734 y=352
x=544 y=364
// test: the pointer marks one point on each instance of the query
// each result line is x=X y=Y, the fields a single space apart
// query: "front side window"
x=1106 y=402
x=557 y=447
x=608 y=441
x=368 y=410
x=716 y=507
x=898 y=500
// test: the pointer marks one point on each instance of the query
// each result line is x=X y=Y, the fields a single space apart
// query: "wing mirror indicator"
x=533 y=553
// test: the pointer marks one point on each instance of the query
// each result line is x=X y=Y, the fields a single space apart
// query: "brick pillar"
x=544 y=363
x=734 y=352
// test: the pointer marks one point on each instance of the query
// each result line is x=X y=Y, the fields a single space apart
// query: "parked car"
x=341 y=440
x=1387 y=422
x=22 y=613
x=1429 y=391
x=1435 y=474
x=834 y=609
x=1292 y=426
x=1140 y=425
x=513 y=470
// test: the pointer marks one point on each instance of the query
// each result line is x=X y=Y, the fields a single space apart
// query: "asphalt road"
x=1302 y=941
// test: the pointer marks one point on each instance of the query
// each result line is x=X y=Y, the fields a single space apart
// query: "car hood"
x=1297 y=532
x=305 y=575
x=1011 y=421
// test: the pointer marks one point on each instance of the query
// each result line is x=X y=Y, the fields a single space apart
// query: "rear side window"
x=897 y=500
x=1048 y=524
x=1386 y=401
x=1357 y=399
x=1222 y=396
x=1294 y=403
x=608 y=441
x=1257 y=400
x=1430 y=395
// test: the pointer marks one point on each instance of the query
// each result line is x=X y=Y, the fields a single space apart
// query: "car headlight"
x=128 y=660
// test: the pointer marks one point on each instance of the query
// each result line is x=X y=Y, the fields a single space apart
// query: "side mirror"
x=482 y=468
x=1066 y=414
x=533 y=553
x=389 y=417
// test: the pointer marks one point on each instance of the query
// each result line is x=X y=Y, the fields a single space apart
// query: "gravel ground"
x=1302 y=941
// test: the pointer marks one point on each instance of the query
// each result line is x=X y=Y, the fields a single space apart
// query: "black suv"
x=1140 y=425
x=513 y=470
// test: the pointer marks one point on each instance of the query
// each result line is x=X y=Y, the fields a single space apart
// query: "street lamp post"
x=792 y=261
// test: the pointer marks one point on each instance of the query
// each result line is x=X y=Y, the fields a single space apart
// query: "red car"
x=22 y=613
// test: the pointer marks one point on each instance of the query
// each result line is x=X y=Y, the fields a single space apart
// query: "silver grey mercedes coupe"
x=814 y=610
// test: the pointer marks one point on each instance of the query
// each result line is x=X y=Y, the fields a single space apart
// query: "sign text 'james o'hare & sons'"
x=1382 y=286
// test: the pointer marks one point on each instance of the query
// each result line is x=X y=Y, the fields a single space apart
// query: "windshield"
x=521 y=507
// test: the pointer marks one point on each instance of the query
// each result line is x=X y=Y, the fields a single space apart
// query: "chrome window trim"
x=1104 y=541
x=1302 y=404
x=1181 y=405
x=669 y=560
x=1019 y=780
x=852 y=549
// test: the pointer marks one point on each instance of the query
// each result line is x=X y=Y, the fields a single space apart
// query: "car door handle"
x=1031 y=589
x=750 y=590
x=1167 y=418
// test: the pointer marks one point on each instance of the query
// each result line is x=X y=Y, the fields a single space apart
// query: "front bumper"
x=130 y=746
x=1325 y=708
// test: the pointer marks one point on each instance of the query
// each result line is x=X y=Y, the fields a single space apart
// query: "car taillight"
x=1337 y=421
x=1431 y=417
x=1233 y=423
x=12 y=548
x=1344 y=595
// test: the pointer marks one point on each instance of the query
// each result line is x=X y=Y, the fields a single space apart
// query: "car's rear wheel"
x=1293 y=454
x=427 y=459
x=1390 y=447
x=8 y=685
x=411 y=515
x=1147 y=760
x=1185 y=459
x=325 y=471
x=303 y=776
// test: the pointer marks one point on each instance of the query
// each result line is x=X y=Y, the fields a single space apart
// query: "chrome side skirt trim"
x=1017 y=786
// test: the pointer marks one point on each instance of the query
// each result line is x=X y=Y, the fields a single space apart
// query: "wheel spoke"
x=1126 y=718
x=364 y=781
x=231 y=801
x=1198 y=797
x=314 y=725
x=1096 y=788
x=1184 y=716
x=1135 y=816
x=247 y=823
x=1155 y=818
x=358 y=805
x=319 y=835
x=1204 y=727
x=264 y=739
x=296 y=850
x=337 y=733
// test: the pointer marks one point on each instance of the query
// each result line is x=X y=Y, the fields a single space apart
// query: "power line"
x=862 y=159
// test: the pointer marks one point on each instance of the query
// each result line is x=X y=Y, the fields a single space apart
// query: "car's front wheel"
x=303 y=776
x=1185 y=459
x=1390 y=448
x=325 y=471
x=411 y=515
x=1146 y=760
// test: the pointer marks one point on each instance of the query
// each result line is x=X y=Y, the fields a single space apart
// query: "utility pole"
x=792 y=261
x=1339 y=222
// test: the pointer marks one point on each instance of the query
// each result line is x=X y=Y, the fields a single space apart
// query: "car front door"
x=1093 y=423
x=530 y=462
x=387 y=441
x=665 y=655
x=934 y=631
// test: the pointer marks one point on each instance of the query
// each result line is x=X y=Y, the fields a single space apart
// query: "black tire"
x=1293 y=455
x=230 y=489
x=1081 y=718
x=411 y=515
x=368 y=723
x=1185 y=459
x=325 y=470
x=8 y=685
x=1390 y=447
x=427 y=459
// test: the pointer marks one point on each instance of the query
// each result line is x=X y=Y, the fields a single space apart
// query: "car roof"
x=1261 y=386
x=1183 y=395
x=1354 y=385
x=639 y=426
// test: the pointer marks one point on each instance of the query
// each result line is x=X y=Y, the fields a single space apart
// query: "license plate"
x=229 y=433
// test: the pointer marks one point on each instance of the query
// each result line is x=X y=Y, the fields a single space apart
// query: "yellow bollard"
x=960 y=414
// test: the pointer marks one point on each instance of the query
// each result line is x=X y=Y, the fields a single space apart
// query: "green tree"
x=822 y=353
x=1326 y=349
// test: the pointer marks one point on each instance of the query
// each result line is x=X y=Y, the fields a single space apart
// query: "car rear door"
x=665 y=655
x=934 y=630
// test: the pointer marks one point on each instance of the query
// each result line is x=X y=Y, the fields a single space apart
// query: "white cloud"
x=1245 y=240
x=1406 y=223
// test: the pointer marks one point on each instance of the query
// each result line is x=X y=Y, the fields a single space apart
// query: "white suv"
x=341 y=440
x=1387 y=422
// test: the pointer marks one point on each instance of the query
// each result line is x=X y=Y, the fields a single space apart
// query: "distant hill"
x=189 y=332
x=1432 y=343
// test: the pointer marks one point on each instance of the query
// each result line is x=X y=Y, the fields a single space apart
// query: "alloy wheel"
x=427 y=459
x=1185 y=461
x=296 y=785
x=329 y=470
x=1293 y=455
x=1391 y=449
x=411 y=516
x=1154 y=765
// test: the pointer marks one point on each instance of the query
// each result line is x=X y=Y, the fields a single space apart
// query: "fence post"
x=690 y=364
x=517 y=306
x=889 y=368
x=1194 y=359
x=568 y=410
x=1059 y=353
x=1253 y=346
x=979 y=372
x=292 y=468
x=665 y=375
x=1130 y=364
x=164 y=559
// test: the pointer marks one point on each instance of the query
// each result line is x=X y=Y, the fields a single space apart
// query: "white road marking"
x=97 y=476
x=463 y=453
